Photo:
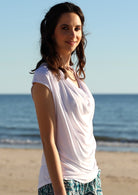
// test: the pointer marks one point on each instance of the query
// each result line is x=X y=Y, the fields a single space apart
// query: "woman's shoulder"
x=42 y=69
x=42 y=75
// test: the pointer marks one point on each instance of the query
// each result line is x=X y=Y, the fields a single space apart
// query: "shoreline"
x=105 y=146
x=20 y=169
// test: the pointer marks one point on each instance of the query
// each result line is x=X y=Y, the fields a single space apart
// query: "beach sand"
x=19 y=169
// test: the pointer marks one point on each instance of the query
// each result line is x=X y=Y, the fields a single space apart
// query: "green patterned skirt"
x=74 y=187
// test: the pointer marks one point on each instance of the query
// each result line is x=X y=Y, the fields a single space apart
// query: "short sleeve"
x=41 y=75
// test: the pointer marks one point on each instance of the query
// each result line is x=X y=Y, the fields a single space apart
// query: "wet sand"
x=19 y=169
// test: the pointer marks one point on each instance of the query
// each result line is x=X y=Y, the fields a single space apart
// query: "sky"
x=111 y=52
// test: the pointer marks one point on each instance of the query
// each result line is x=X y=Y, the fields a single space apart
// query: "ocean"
x=115 y=122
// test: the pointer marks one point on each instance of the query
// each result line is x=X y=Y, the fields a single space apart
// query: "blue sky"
x=112 y=49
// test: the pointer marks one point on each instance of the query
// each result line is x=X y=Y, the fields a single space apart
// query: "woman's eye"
x=65 y=28
x=77 y=28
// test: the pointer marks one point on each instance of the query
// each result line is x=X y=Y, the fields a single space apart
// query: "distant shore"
x=19 y=169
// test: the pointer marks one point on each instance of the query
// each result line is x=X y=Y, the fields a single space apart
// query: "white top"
x=75 y=141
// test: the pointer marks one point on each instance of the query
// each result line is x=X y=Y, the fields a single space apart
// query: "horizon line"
x=107 y=93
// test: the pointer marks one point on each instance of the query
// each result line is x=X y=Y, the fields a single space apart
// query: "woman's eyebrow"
x=69 y=25
x=64 y=25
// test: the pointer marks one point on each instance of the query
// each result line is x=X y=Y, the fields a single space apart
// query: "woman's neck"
x=65 y=61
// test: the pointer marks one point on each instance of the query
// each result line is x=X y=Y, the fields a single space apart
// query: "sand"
x=19 y=169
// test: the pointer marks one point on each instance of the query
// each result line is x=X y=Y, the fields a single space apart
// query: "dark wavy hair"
x=48 y=50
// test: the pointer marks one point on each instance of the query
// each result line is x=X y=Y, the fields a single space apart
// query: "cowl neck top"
x=74 y=107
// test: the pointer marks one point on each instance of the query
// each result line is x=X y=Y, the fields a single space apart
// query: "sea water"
x=115 y=122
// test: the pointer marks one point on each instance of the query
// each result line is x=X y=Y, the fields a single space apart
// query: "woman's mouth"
x=72 y=43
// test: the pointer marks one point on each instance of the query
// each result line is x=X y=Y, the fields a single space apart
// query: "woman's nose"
x=72 y=33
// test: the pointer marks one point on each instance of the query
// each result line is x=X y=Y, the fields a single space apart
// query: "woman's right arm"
x=45 y=111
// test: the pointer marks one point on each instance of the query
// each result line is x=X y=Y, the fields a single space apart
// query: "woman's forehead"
x=70 y=19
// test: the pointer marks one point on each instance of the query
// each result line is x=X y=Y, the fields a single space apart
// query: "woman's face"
x=68 y=33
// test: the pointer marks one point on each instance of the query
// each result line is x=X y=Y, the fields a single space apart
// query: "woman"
x=64 y=107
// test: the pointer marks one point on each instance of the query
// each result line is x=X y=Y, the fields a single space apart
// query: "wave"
x=35 y=139
x=109 y=125
x=18 y=128
x=117 y=146
x=21 y=135
x=101 y=145
x=115 y=139
x=18 y=142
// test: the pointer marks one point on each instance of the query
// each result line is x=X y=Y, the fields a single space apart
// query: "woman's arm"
x=45 y=111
